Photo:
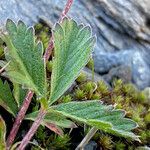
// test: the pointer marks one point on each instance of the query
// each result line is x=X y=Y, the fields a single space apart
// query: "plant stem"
x=29 y=96
x=19 y=119
x=87 y=138
x=67 y=8
x=48 y=51
x=32 y=130
x=51 y=43
x=2 y=69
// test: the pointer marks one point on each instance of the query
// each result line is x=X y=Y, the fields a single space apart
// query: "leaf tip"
x=10 y=25
x=21 y=23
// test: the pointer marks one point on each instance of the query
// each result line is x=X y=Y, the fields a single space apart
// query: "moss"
x=49 y=66
x=146 y=91
x=131 y=148
x=106 y=142
x=81 y=78
x=79 y=94
x=117 y=99
x=43 y=34
x=102 y=88
x=120 y=146
x=117 y=87
x=56 y=142
x=143 y=136
x=147 y=118
x=41 y=134
x=66 y=99
x=52 y=141
x=96 y=95
x=90 y=64
x=88 y=88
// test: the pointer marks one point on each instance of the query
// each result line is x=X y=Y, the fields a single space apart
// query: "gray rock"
x=89 y=75
x=120 y=26
x=121 y=72
x=133 y=59
x=92 y=145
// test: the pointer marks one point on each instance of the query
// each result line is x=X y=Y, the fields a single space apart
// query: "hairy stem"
x=19 y=119
x=87 y=138
x=32 y=130
x=67 y=8
x=48 y=51
x=29 y=96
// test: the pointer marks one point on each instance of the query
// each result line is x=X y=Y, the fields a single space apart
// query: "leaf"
x=54 y=118
x=19 y=94
x=101 y=116
x=7 y=100
x=26 y=63
x=2 y=134
x=72 y=48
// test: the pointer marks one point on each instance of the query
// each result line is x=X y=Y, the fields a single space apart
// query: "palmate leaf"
x=2 y=134
x=25 y=56
x=7 y=100
x=72 y=48
x=53 y=117
x=101 y=116
x=53 y=120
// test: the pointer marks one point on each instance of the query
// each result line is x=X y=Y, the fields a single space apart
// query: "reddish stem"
x=67 y=8
x=19 y=119
x=29 y=96
x=48 y=51
x=32 y=130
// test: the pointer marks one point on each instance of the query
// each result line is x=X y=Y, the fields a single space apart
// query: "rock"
x=120 y=26
x=92 y=145
x=133 y=59
x=89 y=75
x=121 y=72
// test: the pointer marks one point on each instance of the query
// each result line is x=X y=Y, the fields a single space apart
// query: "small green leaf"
x=19 y=94
x=26 y=62
x=7 y=100
x=52 y=117
x=101 y=116
x=2 y=134
x=73 y=45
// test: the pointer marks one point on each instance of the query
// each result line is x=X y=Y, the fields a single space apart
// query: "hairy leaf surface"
x=73 y=45
x=7 y=100
x=19 y=94
x=2 y=134
x=25 y=56
x=52 y=117
x=101 y=116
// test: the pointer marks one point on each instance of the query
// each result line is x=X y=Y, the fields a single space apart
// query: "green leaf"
x=2 y=134
x=26 y=62
x=19 y=94
x=73 y=45
x=101 y=116
x=52 y=117
x=7 y=100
